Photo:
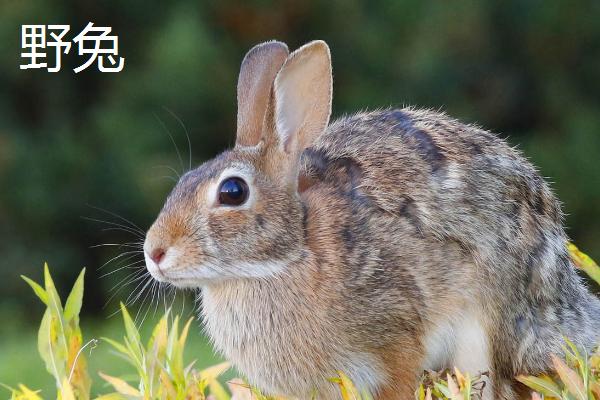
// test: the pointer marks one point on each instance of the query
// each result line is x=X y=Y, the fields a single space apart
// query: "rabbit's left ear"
x=302 y=97
x=257 y=73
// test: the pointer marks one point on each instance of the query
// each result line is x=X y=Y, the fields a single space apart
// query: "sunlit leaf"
x=240 y=391
x=118 y=346
x=570 y=378
x=77 y=367
x=545 y=386
x=66 y=391
x=584 y=262
x=428 y=394
x=167 y=386
x=54 y=302
x=421 y=392
x=217 y=390
x=73 y=304
x=111 y=396
x=212 y=373
x=453 y=388
x=443 y=389
x=37 y=289
x=120 y=385
x=132 y=332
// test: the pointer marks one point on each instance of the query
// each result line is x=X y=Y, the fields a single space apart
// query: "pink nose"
x=157 y=255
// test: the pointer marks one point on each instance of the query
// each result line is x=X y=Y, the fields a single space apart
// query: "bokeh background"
x=71 y=145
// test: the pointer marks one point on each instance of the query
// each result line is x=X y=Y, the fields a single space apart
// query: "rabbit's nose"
x=157 y=255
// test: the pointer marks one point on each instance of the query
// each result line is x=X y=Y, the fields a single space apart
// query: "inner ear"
x=302 y=96
x=257 y=73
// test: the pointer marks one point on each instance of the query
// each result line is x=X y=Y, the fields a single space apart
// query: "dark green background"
x=528 y=70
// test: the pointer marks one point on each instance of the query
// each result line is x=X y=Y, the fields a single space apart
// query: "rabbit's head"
x=239 y=215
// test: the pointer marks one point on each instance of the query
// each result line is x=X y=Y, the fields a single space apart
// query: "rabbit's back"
x=448 y=179
x=450 y=214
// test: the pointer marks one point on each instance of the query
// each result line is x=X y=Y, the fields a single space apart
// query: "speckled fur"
x=402 y=221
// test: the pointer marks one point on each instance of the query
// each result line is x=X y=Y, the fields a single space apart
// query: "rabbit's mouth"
x=168 y=268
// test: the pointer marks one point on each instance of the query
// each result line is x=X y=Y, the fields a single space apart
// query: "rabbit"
x=382 y=244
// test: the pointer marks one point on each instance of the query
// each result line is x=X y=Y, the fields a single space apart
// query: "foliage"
x=578 y=376
x=161 y=373
x=60 y=342
x=454 y=387
x=160 y=366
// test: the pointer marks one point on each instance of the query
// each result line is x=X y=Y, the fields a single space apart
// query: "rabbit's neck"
x=239 y=311
x=279 y=334
x=258 y=324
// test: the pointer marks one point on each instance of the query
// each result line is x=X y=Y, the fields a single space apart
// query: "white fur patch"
x=365 y=370
x=459 y=342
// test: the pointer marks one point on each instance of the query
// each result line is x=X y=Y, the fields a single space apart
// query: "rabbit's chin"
x=202 y=275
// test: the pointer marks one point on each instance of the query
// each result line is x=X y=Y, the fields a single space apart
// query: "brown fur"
x=393 y=241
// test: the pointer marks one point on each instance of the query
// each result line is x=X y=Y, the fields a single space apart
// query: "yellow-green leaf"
x=37 y=289
x=132 y=332
x=118 y=346
x=584 y=262
x=212 y=373
x=421 y=392
x=443 y=389
x=217 y=390
x=54 y=302
x=120 y=385
x=47 y=343
x=158 y=341
x=570 y=378
x=73 y=304
x=543 y=385
x=111 y=396
x=66 y=391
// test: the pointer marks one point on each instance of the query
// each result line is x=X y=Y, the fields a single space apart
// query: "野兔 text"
x=43 y=47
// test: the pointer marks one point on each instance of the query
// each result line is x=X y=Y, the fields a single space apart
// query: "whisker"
x=121 y=230
x=135 y=293
x=186 y=133
x=171 y=178
x=128 y=266
x=137 y=314
x=158 y=292
x=131 y=224
x=164 y=126
x=130 y=245
x=133 y=231
x=182 y=303
x=170 y=169
x=133 y=253
x=121 y=286
x=152 y=291
x=131 y=278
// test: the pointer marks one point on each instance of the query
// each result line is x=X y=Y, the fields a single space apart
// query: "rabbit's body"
x=384 y=313
x=399 y=240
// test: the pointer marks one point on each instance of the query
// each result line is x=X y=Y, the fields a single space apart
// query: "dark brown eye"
x=233 y=192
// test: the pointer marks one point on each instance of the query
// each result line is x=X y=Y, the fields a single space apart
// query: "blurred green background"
x=528 y=70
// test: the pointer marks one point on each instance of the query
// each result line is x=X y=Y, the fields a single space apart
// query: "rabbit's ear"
x=302 y=97
x=257 y=73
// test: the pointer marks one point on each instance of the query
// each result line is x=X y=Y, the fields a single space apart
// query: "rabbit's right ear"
x=257 y=73
x=302 y=95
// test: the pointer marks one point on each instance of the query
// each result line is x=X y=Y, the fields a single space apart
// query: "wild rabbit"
x=382 y=244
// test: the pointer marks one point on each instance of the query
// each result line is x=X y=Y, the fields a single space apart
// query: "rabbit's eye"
x=233 y=192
